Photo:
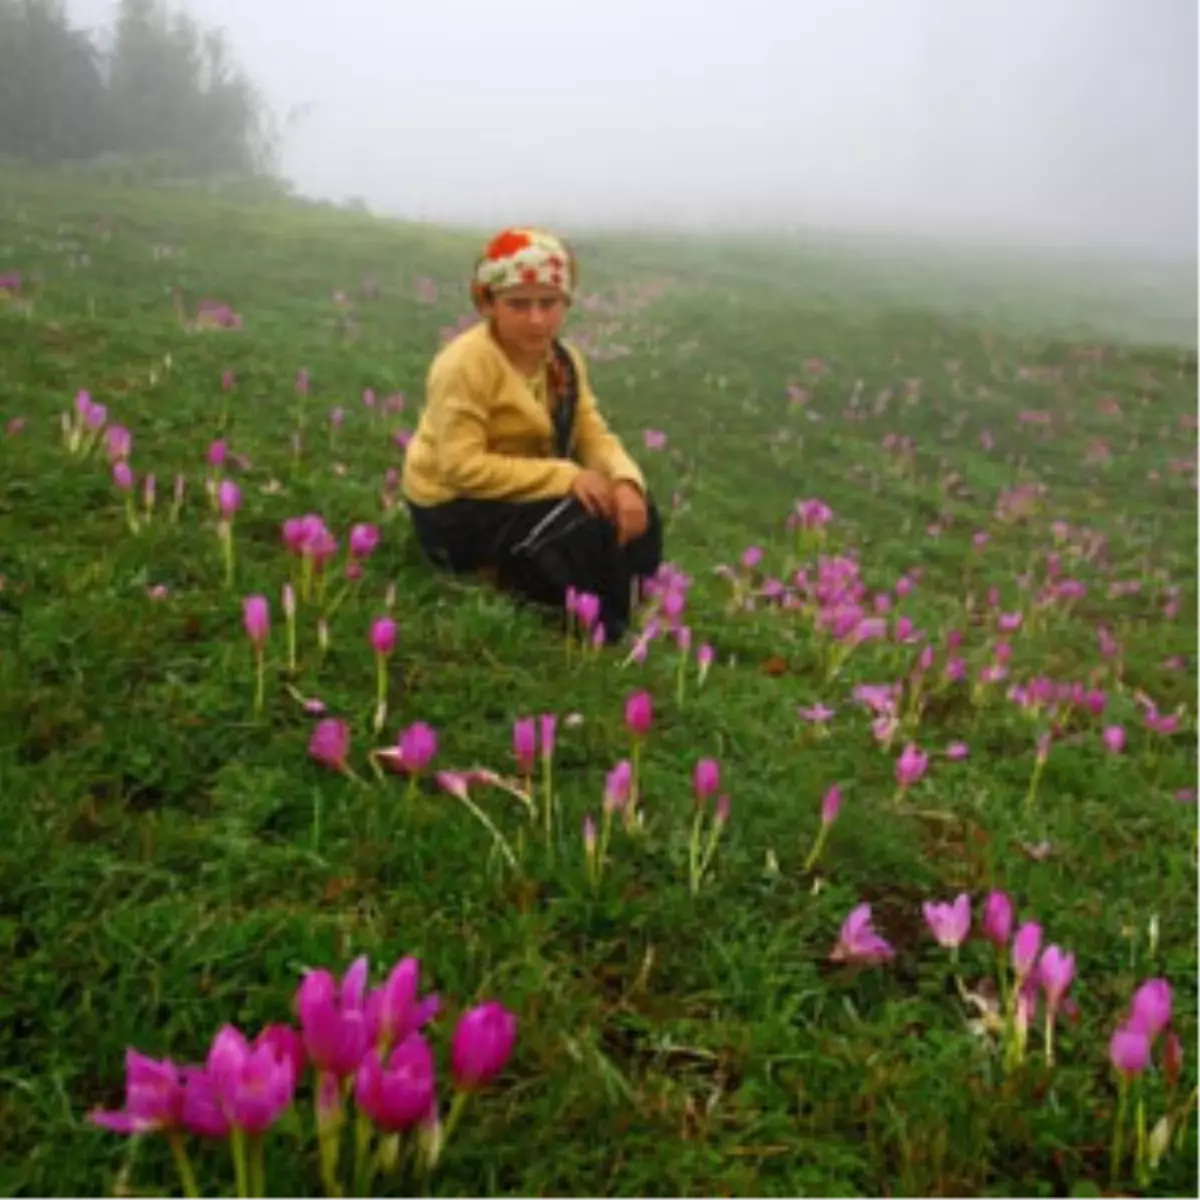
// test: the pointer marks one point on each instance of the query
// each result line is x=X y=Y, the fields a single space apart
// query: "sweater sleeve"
x=598 y=447
x=458 y=422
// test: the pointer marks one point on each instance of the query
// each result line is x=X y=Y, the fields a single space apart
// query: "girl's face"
x=526 y=318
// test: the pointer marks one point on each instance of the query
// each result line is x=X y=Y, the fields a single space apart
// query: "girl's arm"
x=458 y=423
x=597 y=446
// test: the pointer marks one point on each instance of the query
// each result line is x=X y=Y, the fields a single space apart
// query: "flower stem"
x=456 y=1111
x=489 y=825
x=258 y=1166
x=364 y=1164
x=237 y=1147
x=381 y=686
x=291 y=643
x=1118 y=1130
x=259 y=683
x=548 y=801
x=605 y=834
x=817 y=846
x=694 y=852
x=183 y=1165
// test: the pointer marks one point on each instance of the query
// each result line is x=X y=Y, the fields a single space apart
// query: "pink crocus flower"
x=1114 y=739
x=1129 y=1051
x=383 y=636
x=333 y=1018
x=122 y=475
x=831 y=805
x=817 y=714
x=330 y=743
x=203 y=1113
x=229 y=499
x=416 y=748
x=396 y=1009
x=481 y=1045
x=256 y=617
x=1150 y=1011
x=525 y=744
x=618 y=786
x=253 y=1084
x=363 y=540
x=910 y=766
x=401 y=1091
x=1055 y=972
x=706 y=779
x=153 y=1097
x=639 y=713
x=1025 y=946
x=587 y=609
x=548 y=732
x=997 y=918
x=949 y=923
x=957 y=751
x=858 y=941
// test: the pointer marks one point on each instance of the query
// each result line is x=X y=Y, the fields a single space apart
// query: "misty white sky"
x=1073 y=121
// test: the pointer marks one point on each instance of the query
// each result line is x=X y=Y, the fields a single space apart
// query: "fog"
x=1063 y=122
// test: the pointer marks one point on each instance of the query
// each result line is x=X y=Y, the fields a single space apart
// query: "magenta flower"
x=285 y=1043
x=831 y=805
x=229 y=499
x=153 y=1097
x=1025 y=946
x=587 y=609
x=1150 y=1011
x=333 y=1018
x=910 y=766
x=401 y=1093
x=548 y=728
x=1129 y=1051
x=256 y=616
x=525 y=744
x=416 y=748
x=949 y=923
x=997 y=919
x=1114 y=739
x=383 y=636
x=330 y=743
x=1055 y=972
x=706 y=779
x=122 y=476
x=482 y=1045
x=363 y=540
x=118 y=443
x=253 y=1084
x=639 y=713
x=957 y=751
x=396 y=1009
x=618 y=786
x=817 y=714
x=202 y=1111
x=858 y=941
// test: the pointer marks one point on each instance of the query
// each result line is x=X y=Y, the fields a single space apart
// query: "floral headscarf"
x=519 y=256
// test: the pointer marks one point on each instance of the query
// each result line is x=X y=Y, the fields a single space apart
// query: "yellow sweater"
x=484 y=434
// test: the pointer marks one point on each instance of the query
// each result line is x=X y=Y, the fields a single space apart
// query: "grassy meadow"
x=989 y=647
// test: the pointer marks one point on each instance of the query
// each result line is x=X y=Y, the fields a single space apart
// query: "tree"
x=53 y=98
x=167 y=89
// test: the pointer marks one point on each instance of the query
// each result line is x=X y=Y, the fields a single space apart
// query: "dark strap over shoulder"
x=564 y=383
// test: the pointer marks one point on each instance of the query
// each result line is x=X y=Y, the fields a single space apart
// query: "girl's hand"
x=595 y=493
x=630 y=515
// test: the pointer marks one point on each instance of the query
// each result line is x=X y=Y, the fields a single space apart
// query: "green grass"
x=170 y=863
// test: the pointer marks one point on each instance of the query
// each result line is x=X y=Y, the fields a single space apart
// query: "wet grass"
x=171 y=862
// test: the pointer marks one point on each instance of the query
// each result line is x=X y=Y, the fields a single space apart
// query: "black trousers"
x=540 y=548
